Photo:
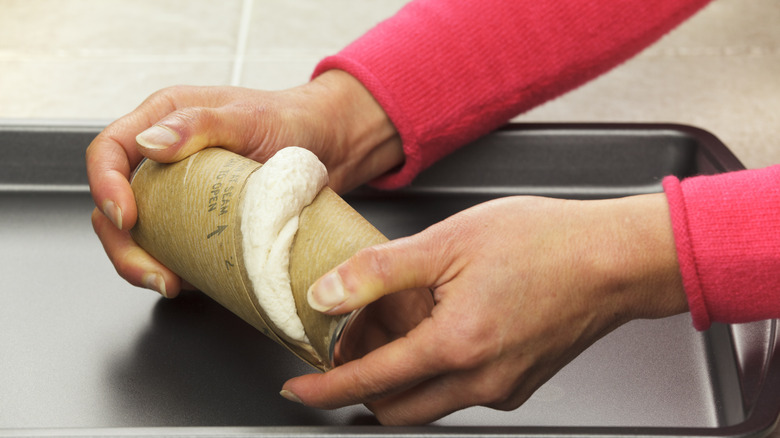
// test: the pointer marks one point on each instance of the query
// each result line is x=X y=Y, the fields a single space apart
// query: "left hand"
x=522 y=285
x=333 y=115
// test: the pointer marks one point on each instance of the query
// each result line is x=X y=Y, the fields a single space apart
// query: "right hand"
x=334 y=116
x=522 y=285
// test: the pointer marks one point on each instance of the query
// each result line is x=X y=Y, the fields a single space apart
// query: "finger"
x=424 y=403
x=391 y=368
x=189 y=130
x=109 y=164
x=442 y=395
x=372 y=272
x=131 y=262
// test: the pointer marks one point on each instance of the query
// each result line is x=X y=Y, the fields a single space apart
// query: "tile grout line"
x=241 y=40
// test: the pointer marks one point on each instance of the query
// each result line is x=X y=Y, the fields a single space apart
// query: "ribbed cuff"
x=685 y=254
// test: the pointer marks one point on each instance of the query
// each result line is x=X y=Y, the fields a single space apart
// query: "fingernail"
x=113 y=213
x=158 y=137
x=289 y=395
x=327 y=293
x=155 y=282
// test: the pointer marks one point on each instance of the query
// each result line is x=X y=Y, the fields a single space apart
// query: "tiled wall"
x=719 y=71
x=97 y=59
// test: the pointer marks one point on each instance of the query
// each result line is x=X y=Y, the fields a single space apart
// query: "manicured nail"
x=289 y=395
x=327 y=293
x=113 y=213
x=158 y=137
x=155 y=282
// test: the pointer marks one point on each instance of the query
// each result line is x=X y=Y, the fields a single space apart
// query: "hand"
x=333 y=115
x=522 y=285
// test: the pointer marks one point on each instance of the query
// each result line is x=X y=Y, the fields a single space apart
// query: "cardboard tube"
x=189 y=218
x=329 y=232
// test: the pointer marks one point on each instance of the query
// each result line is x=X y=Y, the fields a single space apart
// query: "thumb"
x=186 y=131
x=374 y=272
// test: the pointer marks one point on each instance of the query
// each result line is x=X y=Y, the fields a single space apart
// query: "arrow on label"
x=220 y=228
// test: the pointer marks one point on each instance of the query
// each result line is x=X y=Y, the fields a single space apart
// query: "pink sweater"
x=448 y=71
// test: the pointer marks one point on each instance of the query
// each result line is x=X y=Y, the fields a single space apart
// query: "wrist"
x=642 y=269
x=365 y=143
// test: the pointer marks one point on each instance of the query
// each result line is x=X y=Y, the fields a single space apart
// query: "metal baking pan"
x=83 y=353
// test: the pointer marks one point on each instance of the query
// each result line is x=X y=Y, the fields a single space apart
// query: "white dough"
x=274 y=196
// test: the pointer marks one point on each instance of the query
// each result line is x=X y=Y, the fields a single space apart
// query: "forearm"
x=448 y=72
x=366 y=143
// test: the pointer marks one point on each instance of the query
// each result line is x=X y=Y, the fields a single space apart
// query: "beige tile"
x=115 y=27
x=287 y=39
x=93 y=89
x=99 y=58
x=730 y=24
x=278 y=71
x=719 y=71
x=314 y=24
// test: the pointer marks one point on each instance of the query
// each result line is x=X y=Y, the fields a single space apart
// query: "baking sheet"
x=82 y=352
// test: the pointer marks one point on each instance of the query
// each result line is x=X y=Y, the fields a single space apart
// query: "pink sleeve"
x=447 y=72
x=727 y=232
